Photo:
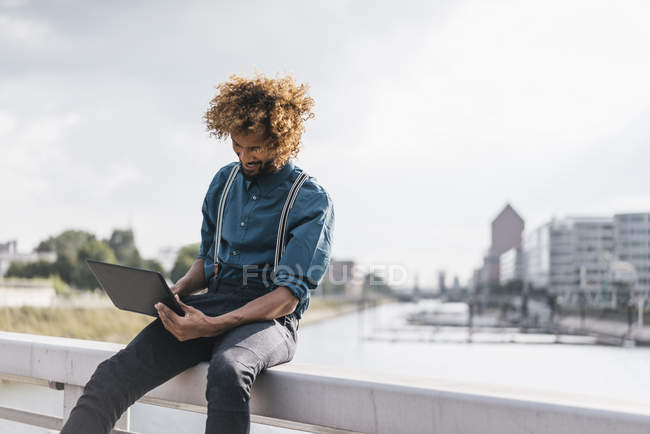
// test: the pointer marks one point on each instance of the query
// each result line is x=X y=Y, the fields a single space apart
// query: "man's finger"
x=167 y=320
x=163 y=316
x=164 y=320
x=169 y=314
x=169 y=326
x=185 y=307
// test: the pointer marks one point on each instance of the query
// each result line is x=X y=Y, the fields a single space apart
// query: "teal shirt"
x=250 y=227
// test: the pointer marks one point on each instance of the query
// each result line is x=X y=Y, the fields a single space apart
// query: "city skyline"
x=428 y=120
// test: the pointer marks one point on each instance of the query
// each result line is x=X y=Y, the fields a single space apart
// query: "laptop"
x=134 y=289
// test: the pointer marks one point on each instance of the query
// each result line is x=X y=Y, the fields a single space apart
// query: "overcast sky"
x=430 y=116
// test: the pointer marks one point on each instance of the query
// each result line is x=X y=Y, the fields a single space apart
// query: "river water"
x=343 y=342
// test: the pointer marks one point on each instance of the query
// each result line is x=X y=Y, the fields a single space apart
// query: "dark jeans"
x=154 y=356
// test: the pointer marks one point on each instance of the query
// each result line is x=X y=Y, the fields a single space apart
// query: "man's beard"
x=264 y=169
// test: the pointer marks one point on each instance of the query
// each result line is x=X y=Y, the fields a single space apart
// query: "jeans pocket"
x=291 y=336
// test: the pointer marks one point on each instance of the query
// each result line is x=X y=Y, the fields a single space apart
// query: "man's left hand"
x=195 y=324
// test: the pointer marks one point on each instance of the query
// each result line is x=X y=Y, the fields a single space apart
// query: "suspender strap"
x=222 y=205
x=281 y=242
x=284 y=217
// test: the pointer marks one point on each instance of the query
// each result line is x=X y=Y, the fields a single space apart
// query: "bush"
x=186 y=257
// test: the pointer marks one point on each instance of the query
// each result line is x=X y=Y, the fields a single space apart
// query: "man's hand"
x=177 y=289
x=193 y=280
x=195 y=324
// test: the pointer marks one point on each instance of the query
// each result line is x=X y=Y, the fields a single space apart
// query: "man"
x=271 y=226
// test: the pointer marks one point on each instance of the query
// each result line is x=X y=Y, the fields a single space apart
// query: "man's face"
x=253 y=153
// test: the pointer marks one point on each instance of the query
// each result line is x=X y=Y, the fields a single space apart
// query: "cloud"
x=119 y=177
x=9 y=4
x=48 y=130
x=26 y=32
x=7 y=124
x=429 y=117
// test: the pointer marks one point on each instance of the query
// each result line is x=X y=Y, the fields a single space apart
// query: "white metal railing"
x=321 y=399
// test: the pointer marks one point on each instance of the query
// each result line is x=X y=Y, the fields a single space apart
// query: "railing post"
x=71 y=395
x=124 y=422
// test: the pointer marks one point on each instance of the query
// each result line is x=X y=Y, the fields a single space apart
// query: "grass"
x=107 y=324
x=101 y=324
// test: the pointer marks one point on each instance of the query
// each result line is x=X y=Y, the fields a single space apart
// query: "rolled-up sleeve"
x=308 y=249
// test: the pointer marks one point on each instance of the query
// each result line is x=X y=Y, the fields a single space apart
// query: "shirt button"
x=254 y=197
x=242 y=224
x=235 y=252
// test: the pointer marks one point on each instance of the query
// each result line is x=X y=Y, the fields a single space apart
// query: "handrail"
x=334 y=400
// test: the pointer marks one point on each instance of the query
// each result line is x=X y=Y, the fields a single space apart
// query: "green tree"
x=66 y=267
x=73 y=247
x=152 y=264
x=122 y=241
x=68 y=242
x=66 y=246
x=30 y=269
x=92 y=249
x=59 y=285
x=184 y=261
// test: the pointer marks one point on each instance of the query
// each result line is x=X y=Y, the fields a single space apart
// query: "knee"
x=114 y=382
x=107 y=373
x=105 y=396
x=231 y=375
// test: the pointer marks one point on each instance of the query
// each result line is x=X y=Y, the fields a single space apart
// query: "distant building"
x=571 y=255
x=9 y=253
x=507 y=229
x=511 y=265
x=506 y=233
x=10 y=247
x=537 y=251
x=632 y=235
x=577 y=257
x=340 y=272
x=342 y=275
x=442 y=285
x=474 y=283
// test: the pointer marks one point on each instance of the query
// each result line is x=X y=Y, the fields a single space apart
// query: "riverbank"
x=321 y=309
x=617 y=331
x=109 y=324
x=602 y=329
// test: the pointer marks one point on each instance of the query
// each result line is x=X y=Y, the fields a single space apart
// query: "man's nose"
x=247 y=156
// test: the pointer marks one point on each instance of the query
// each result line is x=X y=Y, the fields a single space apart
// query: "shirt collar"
x=271 y=180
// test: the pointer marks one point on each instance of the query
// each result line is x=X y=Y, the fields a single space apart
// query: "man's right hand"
x=177 y=289
x=193 y=280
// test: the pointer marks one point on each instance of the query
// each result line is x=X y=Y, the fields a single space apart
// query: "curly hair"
x=275 y=107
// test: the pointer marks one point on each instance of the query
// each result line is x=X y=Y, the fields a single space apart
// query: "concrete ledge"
x=350 y=400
